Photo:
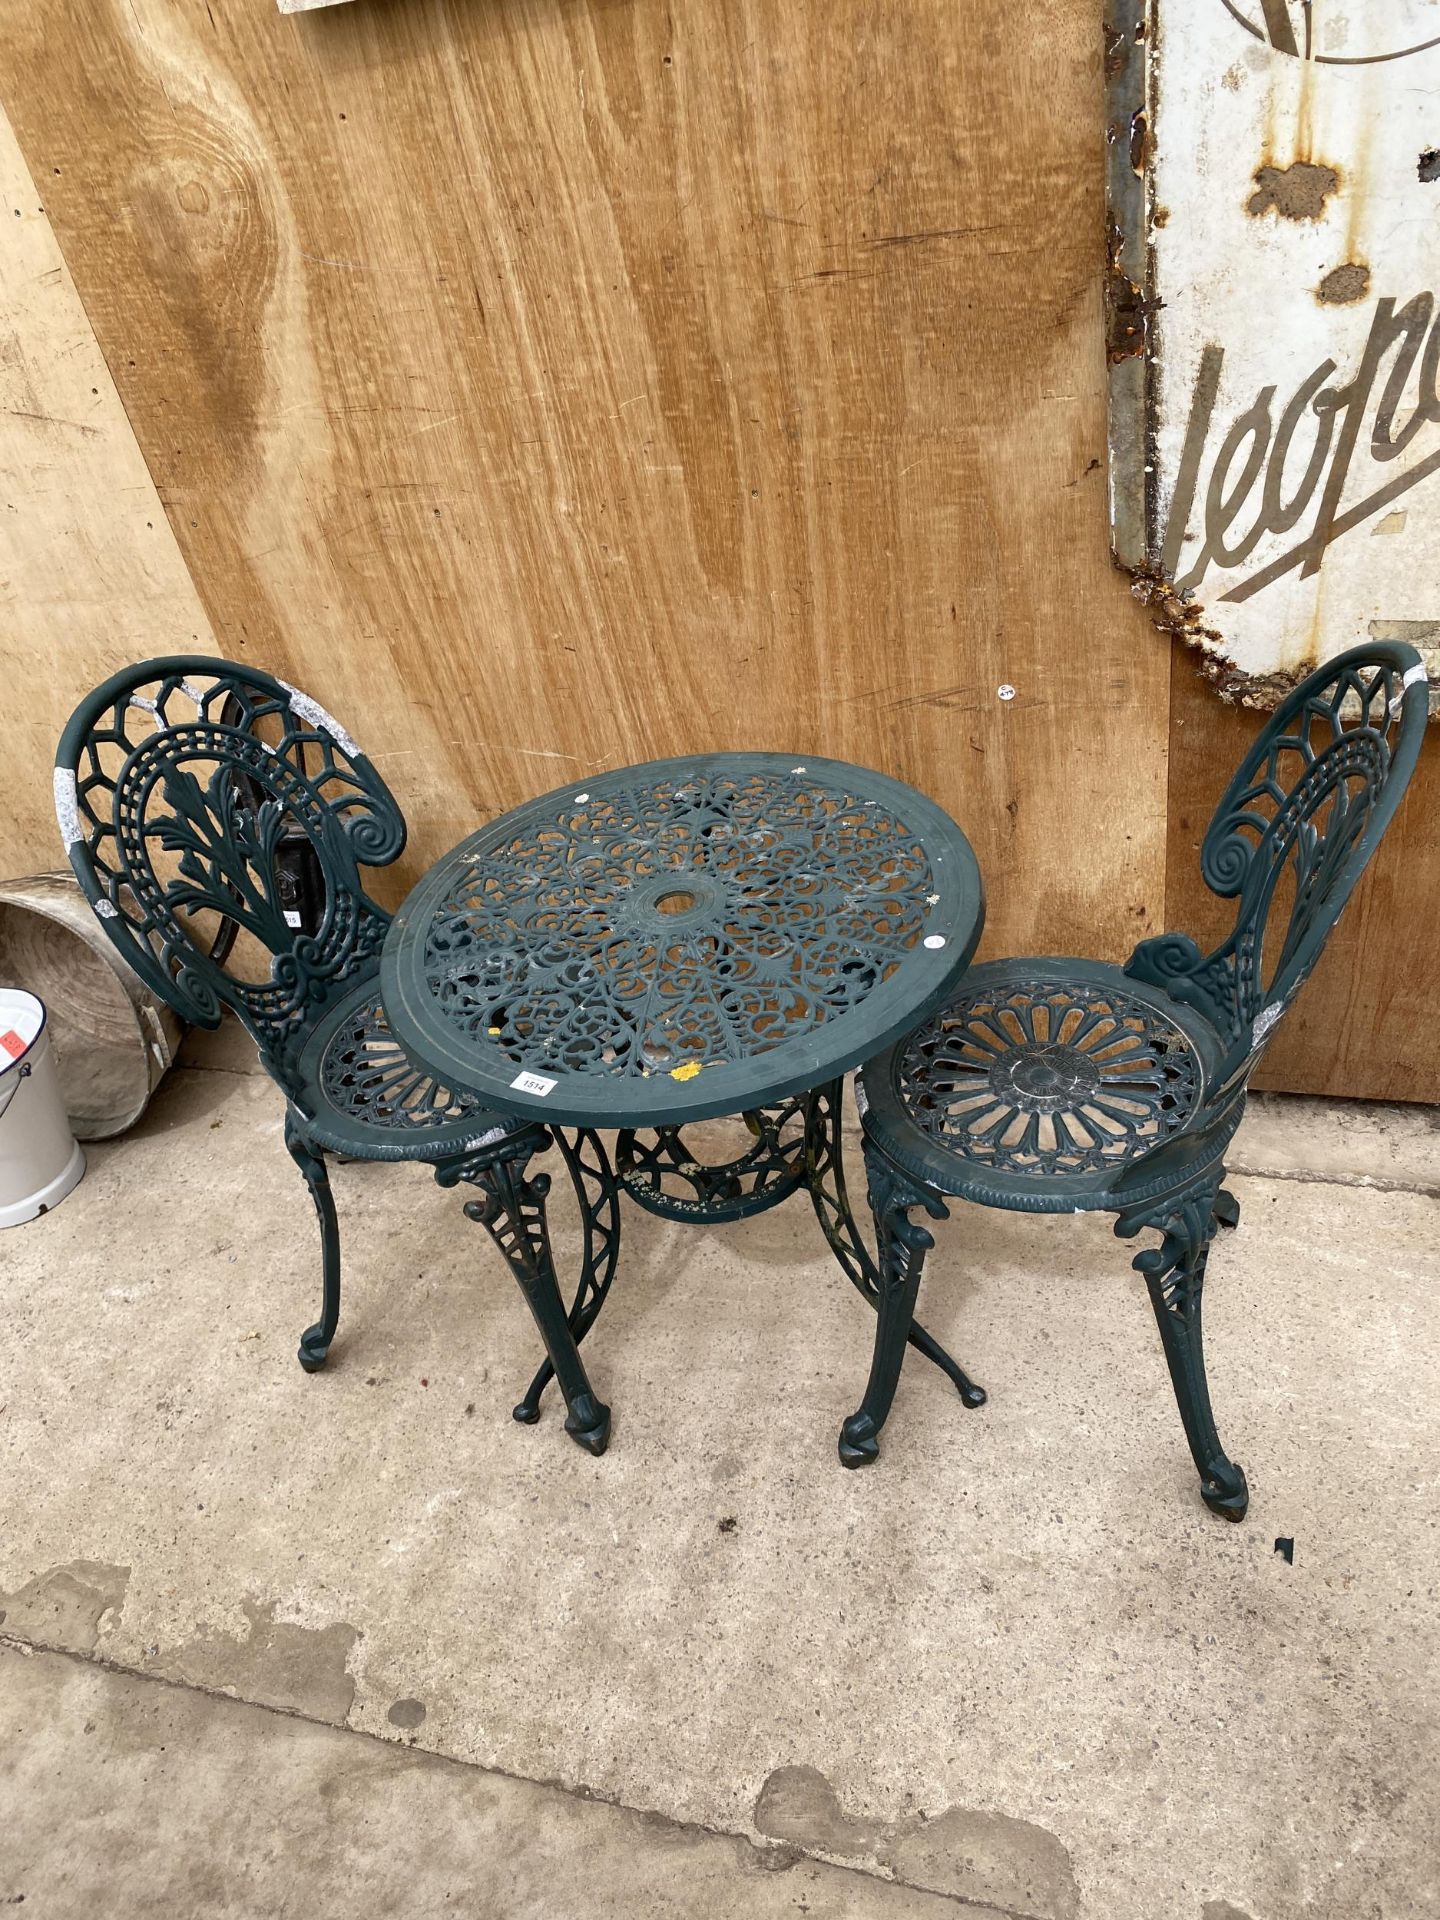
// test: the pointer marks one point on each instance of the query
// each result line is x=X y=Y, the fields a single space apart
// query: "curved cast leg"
x=1227 y=1208
x=1175 y=1275
x=598 y=1193
x=826 y=1170
x=315 y=1341
x=511 y=1208
x=903 y=1247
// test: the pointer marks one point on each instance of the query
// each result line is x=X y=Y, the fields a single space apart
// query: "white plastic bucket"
x=40 y=1159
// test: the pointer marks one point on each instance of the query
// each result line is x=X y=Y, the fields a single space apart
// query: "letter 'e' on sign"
x=1273 y=326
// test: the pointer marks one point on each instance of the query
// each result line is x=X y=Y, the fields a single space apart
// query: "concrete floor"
x=360 y=1643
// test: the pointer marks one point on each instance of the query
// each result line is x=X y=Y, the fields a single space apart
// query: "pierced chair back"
x=180 y=784
x=1288 y=841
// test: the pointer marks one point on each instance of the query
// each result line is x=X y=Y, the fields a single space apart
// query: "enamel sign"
x=1273 y=335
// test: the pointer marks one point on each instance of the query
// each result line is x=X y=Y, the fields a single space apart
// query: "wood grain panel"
x=1364 y=1024
x=556 y=383
x=90 y=572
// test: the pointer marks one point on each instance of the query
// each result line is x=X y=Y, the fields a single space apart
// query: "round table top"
x=687 y=938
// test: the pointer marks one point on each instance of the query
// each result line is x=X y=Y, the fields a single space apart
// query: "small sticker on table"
x=292 y=918
x=934 y=941
x=535 y=1083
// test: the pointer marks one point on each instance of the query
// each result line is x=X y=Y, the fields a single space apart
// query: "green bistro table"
x=664 y=944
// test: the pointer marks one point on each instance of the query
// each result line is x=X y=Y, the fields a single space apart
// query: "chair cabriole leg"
x=315 y=1341
x=1175 y=1275
x=903 y=1244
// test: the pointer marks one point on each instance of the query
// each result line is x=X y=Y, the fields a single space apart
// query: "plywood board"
x=554 y=386
x=1364 y=1023
x=90 y=571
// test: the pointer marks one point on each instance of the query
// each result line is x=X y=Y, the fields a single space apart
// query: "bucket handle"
x=21 y=1073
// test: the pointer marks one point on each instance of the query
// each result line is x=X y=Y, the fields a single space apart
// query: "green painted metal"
x=1060 y=1085
x=1042 y=1084
x=829 y=1192
x=217 y=820
x=666 y=1173
x=689 y=938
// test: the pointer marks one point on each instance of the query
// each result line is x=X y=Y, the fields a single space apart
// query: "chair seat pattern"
x=368 y=1098
x=1040 y=1074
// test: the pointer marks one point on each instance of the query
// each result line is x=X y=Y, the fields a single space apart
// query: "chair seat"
x=365 y=1096
x=1042 y=1085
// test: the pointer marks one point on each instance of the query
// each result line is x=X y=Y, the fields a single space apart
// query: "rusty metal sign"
x=1273 y=334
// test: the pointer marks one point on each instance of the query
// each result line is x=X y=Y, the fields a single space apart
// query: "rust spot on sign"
x=1139 y=141
x=1342 y=286
x=1170 y=611
x=1296 y=192
x=1127 y=306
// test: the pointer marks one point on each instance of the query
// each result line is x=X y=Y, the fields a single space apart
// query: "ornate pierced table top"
x=682 y=939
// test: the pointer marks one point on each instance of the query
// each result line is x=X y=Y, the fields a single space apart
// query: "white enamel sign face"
x=1275 y=344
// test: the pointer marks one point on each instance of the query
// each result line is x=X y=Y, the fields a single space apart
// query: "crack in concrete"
x=74 y=1599
x=770 y=1858
x=988 y=1861
x=256 y=1072
x=276 y=1662
x=1306 y=1176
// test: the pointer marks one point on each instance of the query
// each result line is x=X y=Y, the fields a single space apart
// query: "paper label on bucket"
x=12 y=1043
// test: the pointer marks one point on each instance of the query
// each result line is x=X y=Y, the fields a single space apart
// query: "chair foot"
x=527 y=1413
x=1229 y=1499
x=859 y=1445
x=1227 y=1209
x=588 y=1424
x=971 y=1394
x=314 y=1349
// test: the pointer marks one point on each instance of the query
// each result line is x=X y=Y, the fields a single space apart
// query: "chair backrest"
x=179 y=786
x=1289 y=840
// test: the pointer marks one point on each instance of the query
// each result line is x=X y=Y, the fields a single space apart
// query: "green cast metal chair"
x=1059 y=1085
x=182 y=787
